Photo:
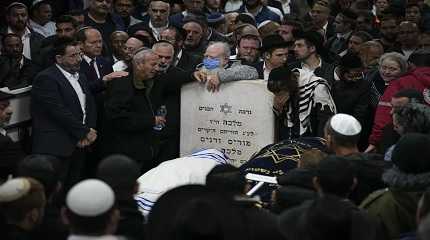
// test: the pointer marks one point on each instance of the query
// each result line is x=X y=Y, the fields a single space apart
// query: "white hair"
x=141 y=54
x=223 y=45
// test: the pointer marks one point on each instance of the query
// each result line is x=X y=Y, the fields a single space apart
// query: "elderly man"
x=130 y=47
x=129 y=111
x=10 y=151
x=217 y=68
x=117 y=41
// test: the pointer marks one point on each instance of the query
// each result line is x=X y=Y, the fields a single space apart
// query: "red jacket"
x=418 y=79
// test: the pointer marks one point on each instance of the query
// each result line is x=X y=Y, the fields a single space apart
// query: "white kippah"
x=90 y=198
x=345 y=124
x=14 y=189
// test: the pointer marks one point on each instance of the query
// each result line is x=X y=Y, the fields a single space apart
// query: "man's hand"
x=159 y=120
x=370 y=148
x=113 y=75
x=92 y=135
x=200 y=75
x=280 y=100
x=213 y=82
x=83 y=143
x=89 y=139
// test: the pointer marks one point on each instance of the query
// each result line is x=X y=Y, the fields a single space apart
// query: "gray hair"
x=224 y=46
x=396 y=57
x=163 y=44
x=140 y=54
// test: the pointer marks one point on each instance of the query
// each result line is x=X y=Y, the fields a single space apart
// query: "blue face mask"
x=211 y=63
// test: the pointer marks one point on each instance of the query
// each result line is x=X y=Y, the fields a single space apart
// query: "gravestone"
x=237 y=120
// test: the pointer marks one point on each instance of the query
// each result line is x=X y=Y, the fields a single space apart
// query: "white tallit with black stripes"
x=312 y=90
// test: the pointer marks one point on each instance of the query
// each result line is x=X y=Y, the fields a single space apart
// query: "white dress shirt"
x=119 y=66
x=88 y=60
x=156 y=31
x=26 y=50
x=266 y=72
x=74 y=81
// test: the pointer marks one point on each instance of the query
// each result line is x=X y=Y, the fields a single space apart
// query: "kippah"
x=90 y=198
x=215 y=18
x=14 y=189
x=345 y=124
x=14 y=4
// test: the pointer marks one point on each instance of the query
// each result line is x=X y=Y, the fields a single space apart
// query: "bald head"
x=130 y=47
x=92 y=43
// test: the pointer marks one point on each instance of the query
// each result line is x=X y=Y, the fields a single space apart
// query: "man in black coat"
x=352 y=94
x=182 y=59
x=10 y=152
x=130 y=108
x=16 y=71
x=64 y=112
x=16 y=22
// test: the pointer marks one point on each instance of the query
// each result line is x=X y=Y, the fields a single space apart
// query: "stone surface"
x=238 y=119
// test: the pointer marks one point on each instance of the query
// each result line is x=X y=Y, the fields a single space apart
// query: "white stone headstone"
x=238 y=119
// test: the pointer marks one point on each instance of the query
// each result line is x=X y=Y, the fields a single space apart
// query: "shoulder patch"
x=373 y=197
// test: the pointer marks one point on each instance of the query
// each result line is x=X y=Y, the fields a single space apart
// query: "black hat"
x=273 y=41
x=246 y=18
x=412 y=153
x=313 y=37
x=5 y=96
x=197 y=18
x=349 y=14
x=350 y=60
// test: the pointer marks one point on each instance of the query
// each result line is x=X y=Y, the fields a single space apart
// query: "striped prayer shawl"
x=312 y=90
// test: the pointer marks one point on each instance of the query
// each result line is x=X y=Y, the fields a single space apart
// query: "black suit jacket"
x=36 y=41
x=57 y=114
x=96 y=84
x=12 y=76
x=259 y=66
x=11 y=153
x=188 y=62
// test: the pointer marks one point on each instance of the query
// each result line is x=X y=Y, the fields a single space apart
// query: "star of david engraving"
x=225 y=108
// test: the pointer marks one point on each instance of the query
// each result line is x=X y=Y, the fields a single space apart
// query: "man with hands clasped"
x=63 y=112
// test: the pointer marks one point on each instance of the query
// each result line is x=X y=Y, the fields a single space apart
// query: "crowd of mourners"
x=99 y=158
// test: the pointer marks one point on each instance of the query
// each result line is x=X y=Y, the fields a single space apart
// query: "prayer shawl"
x=174 y=173
x=312 y=90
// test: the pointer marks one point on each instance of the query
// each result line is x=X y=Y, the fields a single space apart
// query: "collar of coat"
x=395 y=178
